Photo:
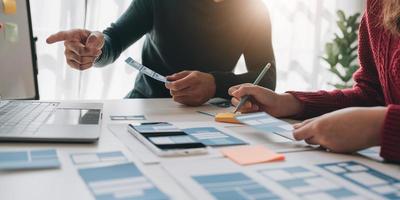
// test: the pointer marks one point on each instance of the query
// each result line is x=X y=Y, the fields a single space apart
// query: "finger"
x=305 y=122
x=178 y=76
x=70 y=55
x=303 y=133
x=233 y=89
x=81 y=50
x=184 y=92
x=312 y=141
x=73 y=64
x=72 y=35
x=95 y=40
x=250 y=90
x=247 y=107
x=183 y=83
x=74 y=46
x=85 y=66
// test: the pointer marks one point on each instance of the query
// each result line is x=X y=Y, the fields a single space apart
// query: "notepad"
x=9 y=7
x=11 y=32
x=248 y=155
x=33 y=159
x=226 y=118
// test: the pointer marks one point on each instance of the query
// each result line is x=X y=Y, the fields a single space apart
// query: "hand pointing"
x=82 y=47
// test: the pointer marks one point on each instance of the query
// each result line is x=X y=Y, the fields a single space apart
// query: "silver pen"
x=256 y=82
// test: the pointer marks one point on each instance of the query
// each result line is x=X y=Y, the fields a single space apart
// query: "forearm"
x=130 y=27
x=322 y=102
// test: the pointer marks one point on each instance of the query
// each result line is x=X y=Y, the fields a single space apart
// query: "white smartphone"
x=166 y=140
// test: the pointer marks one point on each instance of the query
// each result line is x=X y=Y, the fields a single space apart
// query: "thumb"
x=178 y=76
x=95 y=40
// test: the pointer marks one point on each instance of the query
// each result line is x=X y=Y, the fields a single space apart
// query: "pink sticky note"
x=247 y=155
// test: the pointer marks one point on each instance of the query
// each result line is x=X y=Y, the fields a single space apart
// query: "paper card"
x=127 y=118
x=267 y=123
x=33 y=159
x=211 y=136
x=10 y=6
x=247 y=155
x=95 y=158
x=122 y=181
x=11 y=32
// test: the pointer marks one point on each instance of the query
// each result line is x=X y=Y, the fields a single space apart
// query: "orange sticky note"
x=226 y=118
x=247 y=155
x=10 y=6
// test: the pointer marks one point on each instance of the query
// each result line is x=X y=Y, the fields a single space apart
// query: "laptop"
x=37 y=121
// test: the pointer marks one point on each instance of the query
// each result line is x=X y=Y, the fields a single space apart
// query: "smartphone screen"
x=167 y=137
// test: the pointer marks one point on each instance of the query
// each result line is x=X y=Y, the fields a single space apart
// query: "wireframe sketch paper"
x=143 y=69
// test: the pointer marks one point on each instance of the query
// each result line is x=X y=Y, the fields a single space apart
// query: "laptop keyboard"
x=17 y=117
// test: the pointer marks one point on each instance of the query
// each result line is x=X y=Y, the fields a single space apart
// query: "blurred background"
x=301 y=28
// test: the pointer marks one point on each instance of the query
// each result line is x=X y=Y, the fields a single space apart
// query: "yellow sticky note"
x=11 y=32
x=226 y=118
x=247 y=155
x=10 y=6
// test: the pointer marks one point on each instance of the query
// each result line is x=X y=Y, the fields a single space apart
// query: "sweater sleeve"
x=257 y=53
x=367 y=90
x=130 y=27
x=390 y=141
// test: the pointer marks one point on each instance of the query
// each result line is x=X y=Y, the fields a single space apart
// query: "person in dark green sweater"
x=195 y=43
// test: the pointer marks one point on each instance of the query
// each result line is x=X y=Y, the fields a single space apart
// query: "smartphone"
x=164 y=139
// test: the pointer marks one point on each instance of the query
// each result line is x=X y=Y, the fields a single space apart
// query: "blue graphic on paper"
x=307 y=184
x=123 y=181
x=266 y=123
x=210 y=136
x=366 y=177
x=32 y=159
x=236 y=186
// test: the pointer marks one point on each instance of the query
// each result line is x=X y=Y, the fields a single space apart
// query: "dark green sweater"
x=194 y=35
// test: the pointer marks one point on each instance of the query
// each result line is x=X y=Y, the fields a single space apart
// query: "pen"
x=256 y=82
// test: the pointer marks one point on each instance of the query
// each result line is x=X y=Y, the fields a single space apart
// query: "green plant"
x=341 y=54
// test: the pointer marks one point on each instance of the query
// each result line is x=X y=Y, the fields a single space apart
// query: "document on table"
x=127 y=117
x=143 y=69
x=31 y=159
x=234 y=186
x=97 y=158
x=372 y=180
x=266 y=123
x=307 y=184
x=211 y=136
x=122 y=181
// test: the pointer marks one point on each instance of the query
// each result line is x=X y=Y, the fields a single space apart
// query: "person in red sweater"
x=349 y=120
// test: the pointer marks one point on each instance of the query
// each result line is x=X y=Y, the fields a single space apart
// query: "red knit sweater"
x=377 y=81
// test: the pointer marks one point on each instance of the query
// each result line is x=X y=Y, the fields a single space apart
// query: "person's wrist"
x=213 y=85
x=289 y=105
x=378 y=115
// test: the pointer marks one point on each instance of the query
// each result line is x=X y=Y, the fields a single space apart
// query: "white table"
x=65 y=183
